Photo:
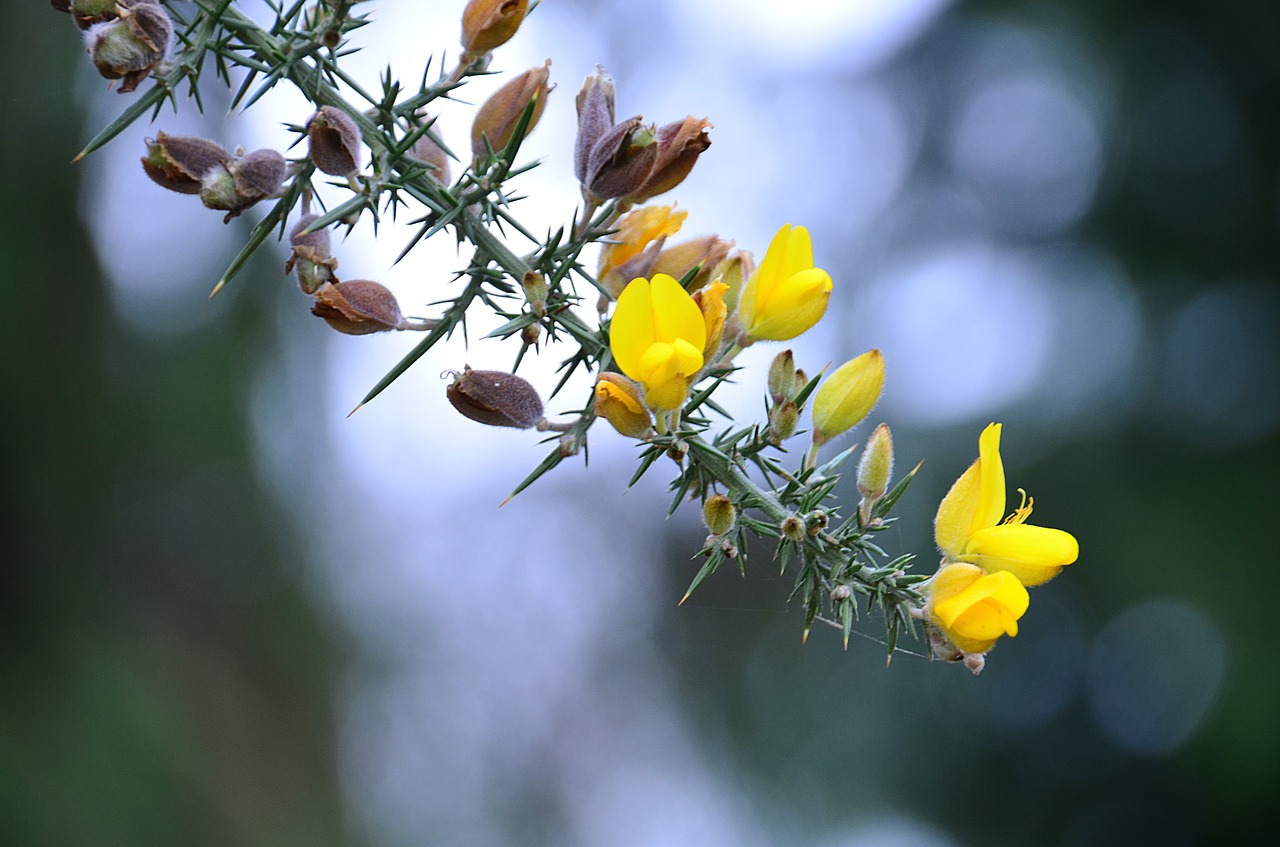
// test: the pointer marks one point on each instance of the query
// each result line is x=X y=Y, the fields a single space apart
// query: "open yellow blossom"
x=636 y=231
x=785 y=295
x=968 y=526
x=657 y=337
x=974 y=608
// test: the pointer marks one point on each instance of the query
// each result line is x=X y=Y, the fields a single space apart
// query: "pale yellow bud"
x=845 y=398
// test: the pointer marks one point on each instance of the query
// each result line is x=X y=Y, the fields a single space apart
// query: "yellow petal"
x=710 y=301
x=1032 y=554
x=990 y=508
x=675 y=315
x=618 y=401
x=636 y=231
x=798 y=255
x=975 y=611
x=955 y=512
x=631 y=333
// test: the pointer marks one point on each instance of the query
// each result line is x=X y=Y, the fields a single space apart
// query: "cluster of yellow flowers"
x=665 y=338
x=980 y=591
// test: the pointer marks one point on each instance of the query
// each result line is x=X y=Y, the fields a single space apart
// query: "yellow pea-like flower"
x=847 y=396
x=710 y=300
x=785 y=295
x=974 y=608
x=657 y=336
x=968 y=526
x=619 y=402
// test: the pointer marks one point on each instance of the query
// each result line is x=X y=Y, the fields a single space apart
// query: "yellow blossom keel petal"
x=1032 y=554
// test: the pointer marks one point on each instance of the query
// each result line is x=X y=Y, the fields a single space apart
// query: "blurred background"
x=230 y=615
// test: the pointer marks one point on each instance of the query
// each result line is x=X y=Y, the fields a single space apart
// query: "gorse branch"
x=662 y=340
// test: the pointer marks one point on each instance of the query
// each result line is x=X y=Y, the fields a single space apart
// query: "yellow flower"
x=619 y=402
x=968 y=526
x=974 y=608
x=785 y=295
x=657 y=336
x=846 y=397
x=636 y=231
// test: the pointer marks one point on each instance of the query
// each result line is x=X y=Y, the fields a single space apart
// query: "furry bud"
x=496 y=398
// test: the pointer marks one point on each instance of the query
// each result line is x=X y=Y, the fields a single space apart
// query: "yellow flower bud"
x=876 y=466
x=657 y=337
x=719 y=514
x=845 y=398
x=497 y=118
x=487 y=24
x=785 y=295
x=618 y=401
x=973 y=608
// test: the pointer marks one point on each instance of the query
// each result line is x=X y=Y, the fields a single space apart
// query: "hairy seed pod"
x=495 y=398
x=358 y=307
x=333 y=141
x=179 y=162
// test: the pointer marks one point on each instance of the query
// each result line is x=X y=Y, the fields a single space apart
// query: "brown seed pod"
x=179 y=162
x=334 y=141
x=496 y=398
x=358 y=307
x=259 y=174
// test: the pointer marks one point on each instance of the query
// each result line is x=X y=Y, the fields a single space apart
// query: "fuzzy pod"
x=680 y=143
x=596 y=108
x=130 y=46
x=259 y=174
x=179 y=162
x=311 y=256
x=333 y=141
x=495 y=398
x=497 y=118
x=622 y=160
x=358 y=307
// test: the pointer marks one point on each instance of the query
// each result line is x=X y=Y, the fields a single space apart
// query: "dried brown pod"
x=621 y=161
x=495 y=398
x=427 y=150
x=358 y=307
x=179 y=162
x=334 y=141
x=130 y=46
x=680 y=143
x=259 y=174
x=497 y=117
x=595 y=104
x=487 y=24
x=311 y=256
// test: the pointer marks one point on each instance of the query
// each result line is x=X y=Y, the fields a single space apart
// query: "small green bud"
x=782 y=421
x=793 y=528
x=782 y=377
x=535 y=290
x=719 y=513
x=530 y=334
x=816 y=521
x=875 y=469
x=358 y=307
x=496 y=398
